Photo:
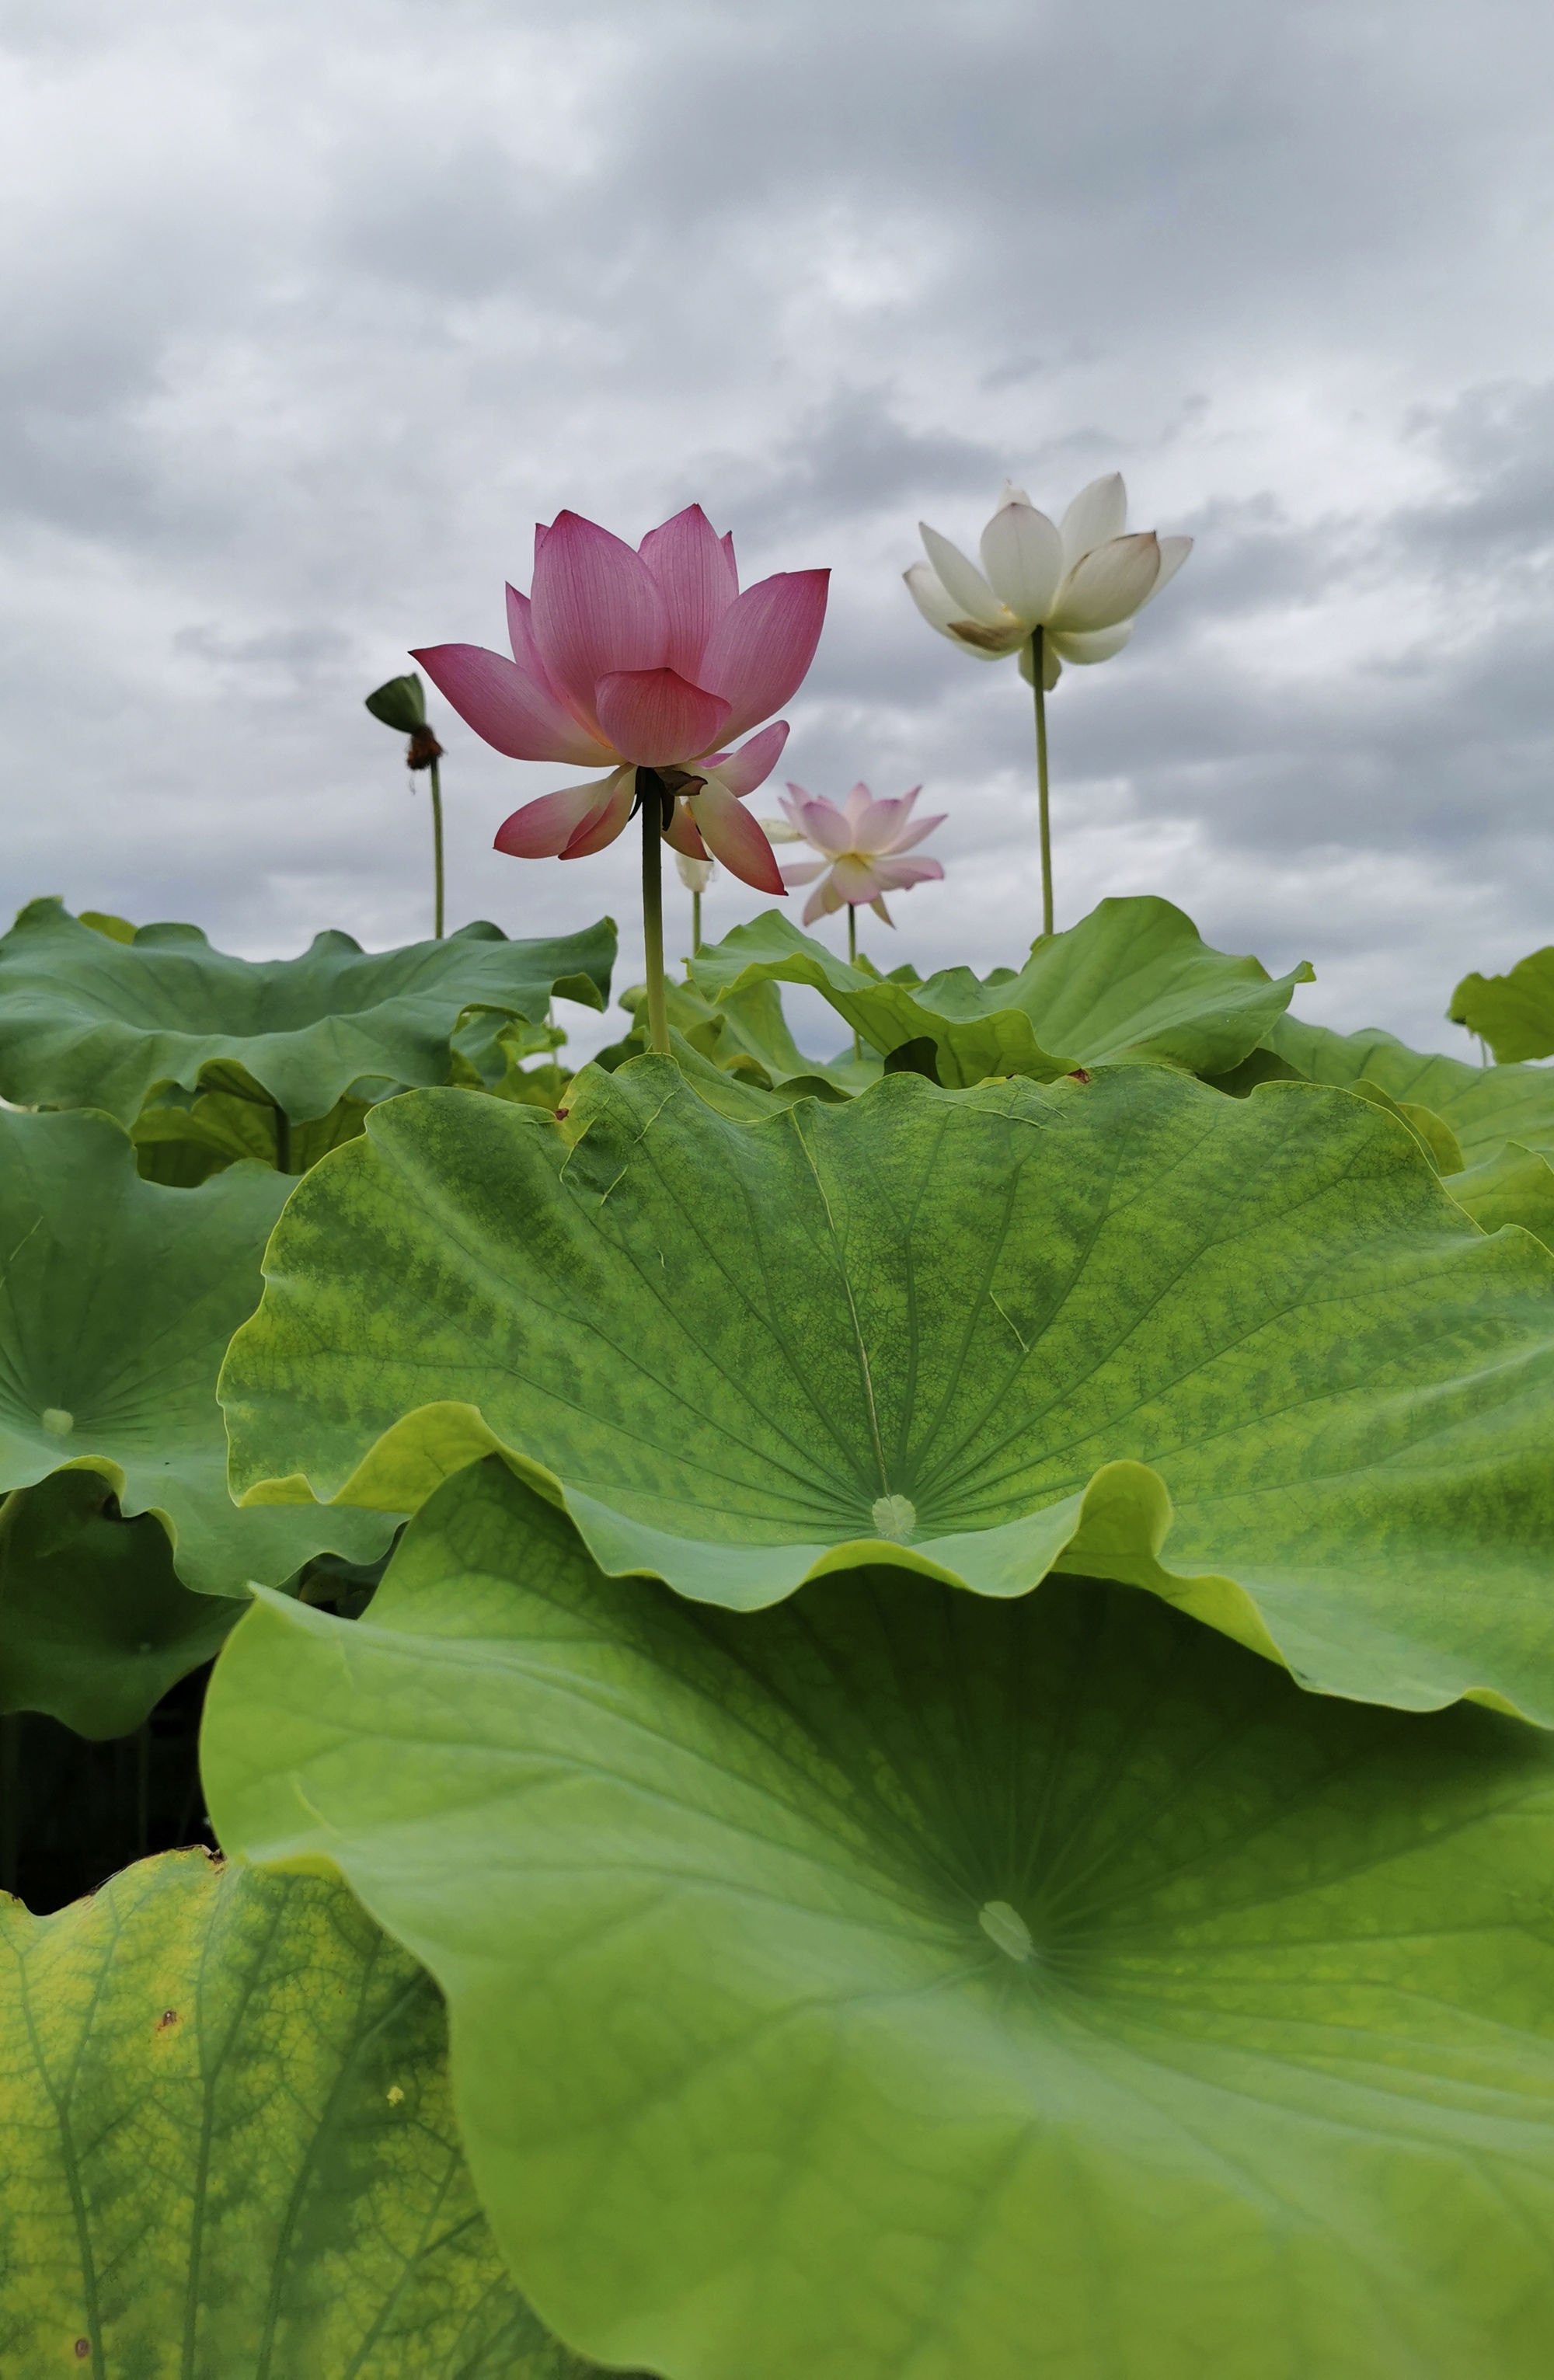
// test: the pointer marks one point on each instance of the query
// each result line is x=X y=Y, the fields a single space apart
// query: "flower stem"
x=652 y=908
x=851 y=961
x=1038 y=661
x=437 y=843
x=283 y=1139
x=696 y=923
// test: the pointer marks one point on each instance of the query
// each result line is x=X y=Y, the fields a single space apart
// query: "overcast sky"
x=312 y=310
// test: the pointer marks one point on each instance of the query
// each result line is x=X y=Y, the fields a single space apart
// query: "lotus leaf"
x=89 y=1021
x=975 y=1334
x=119 y=1299
x=1513 y=1012
x=94 y=1627
x=899 y=1983
x=1485 y=1106
x=1516 y=1187
x=1133 y=981
x=229 y=2148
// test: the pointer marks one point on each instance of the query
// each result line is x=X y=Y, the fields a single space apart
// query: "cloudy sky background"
x=312 y=310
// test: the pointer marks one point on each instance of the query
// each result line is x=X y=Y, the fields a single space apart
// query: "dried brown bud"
x=423 y=749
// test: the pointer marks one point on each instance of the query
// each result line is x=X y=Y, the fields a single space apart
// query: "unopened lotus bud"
x=694 y=874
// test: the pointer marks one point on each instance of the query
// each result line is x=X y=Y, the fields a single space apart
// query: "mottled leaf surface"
x=117 y=1298
x=1485 y=1106
x=1133 y=981
x=89 y=1021
x=897 y=1984
x=975 y=1333
x=229 y=2148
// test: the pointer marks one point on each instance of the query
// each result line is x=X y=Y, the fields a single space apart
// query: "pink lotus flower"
x=861 y=843
x=649 y=663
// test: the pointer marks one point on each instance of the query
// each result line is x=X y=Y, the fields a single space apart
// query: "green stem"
x=851 y=961
x=1036 y=664
x=10 y=1813
x=437 y=843
x=143 y=1788
x=652 y=908
x=283 y=1139
x=696 y=923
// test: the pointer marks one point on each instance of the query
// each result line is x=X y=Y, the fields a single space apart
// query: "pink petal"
x=804 y=871
x=757 y=653
x=608 y=820
x=855 y=879
x=824 y=899
x=596 y=609
x=655 y=718
x=680 y=834
x=697 y=578
x=882 y=914
x=822 y=824
x=859 y=802
x=895 y=875
x=726 y=541
x=542 y=829
x=889 y=825
x=743 y=770
x=731 y=835
x=908 y=836
x=507 y=708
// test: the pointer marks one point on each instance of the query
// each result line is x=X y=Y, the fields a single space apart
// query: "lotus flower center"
x=1007 y=1928
x=895 y=1517
x=57 y=1422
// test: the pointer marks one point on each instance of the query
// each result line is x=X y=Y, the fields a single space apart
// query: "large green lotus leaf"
x=119 y=1299
x=229 y=2152
x=1485 y=1106
x=746 y=1041
x=1513 y=1012
x=1132 y=981
x=975 y=1333
x=1515 y=1187
x=896 y=1982
x=94 y=1626
x=88 y=1021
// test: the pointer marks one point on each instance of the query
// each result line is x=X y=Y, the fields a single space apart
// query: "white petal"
x=1173 y=553
x=1097 y=513
x=1051 y=667
x=1023 y=555
x=963 y=580
x=1010 y=494
x=1107 y=585
x=935 y=602
x=1098 y=646
x=694 y=874
x=781 y=830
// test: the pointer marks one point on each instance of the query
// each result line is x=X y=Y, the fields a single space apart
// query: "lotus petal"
x=655 y=718
x=596 y=608
x=1107 y=585
x=1023 y=556
x=697 y=580
x=542 y=829
x=758 y=654
x=1173 y=553
x=1099 y=645
x=1098 y=513
x=514 y=710
x=731 y=835
x=743 y=770
x=608 y=820
x=963 y=580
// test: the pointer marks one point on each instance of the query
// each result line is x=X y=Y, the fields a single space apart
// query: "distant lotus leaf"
x=94 y=1626
x=975 y=1333
x=1517 y=1186
x=1485 y=1106
x=183 y=1139
x=747 y=1036
x=896 y=1982
x=228 y=2146
x=88 y=1021
x=1513 y=1012
x=119 y=1299
x=1433 y=1134
x=1133 y=981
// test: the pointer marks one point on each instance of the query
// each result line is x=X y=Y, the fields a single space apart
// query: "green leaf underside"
x=753 y=2073
x=972 y=1333
x=229 y=2153
x=1513 y=1012
x=117 y=1298
x=1133 y=981
x=182 y=1140
x=1485 y=1106
x=94 y=1627
x=87 y=1021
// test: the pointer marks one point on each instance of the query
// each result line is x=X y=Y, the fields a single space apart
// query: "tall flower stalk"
x=649 y=663
x=1049 y=594
x=400 y=703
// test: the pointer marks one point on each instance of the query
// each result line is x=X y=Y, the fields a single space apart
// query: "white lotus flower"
x=1082 y=585
x=694 y=874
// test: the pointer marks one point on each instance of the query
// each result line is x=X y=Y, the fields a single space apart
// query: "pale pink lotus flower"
x=646 y=663
x=861 y=843
x=1082 y=585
